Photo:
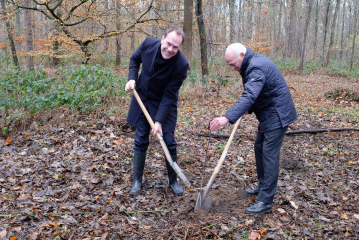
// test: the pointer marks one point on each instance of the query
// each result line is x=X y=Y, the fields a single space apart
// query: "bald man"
x=267 y=95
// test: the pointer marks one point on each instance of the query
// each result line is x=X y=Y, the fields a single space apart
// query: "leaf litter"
x=72 y=180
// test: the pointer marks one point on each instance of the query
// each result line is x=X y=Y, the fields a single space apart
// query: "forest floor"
x=71 y=180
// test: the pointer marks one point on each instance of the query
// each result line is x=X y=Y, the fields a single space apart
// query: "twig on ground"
x=287 y=133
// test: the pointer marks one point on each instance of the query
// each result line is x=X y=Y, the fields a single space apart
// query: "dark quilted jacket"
x=265 y=93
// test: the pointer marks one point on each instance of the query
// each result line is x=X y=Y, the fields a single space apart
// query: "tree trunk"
x=9 y=34
x=316 y=25
x=279 y=30
x=132 y=36
x=354 y=36
x=232 y=32
x=57 y=43
x=288 y=47
x=202 y=36
x=240 y=22
x=187 y=28
x=332 y=32
x=118 y=39
x=28 y=37
x=325 y=34
x=106 y=41
x=118 y=52
x=342 y=37
x=307 y=20
x=18 y=29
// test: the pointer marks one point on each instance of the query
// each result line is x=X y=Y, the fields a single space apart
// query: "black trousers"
x=267 y=147
x=143 y=129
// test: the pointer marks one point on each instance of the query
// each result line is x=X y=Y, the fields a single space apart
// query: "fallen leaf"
x=249 y=222
x=8 y=141
x=344 y=216
x=224 y=228
x=324 y=219
x=17 y=229
x=356 y=216
x=104 y=236
x=3 y=233
x=254 y=236
x=281 y=210
x=271 y=237
x=13 y=238
x=293 y=204
x=118 y=142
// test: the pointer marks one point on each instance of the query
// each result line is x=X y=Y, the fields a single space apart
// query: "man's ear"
x=242 y=54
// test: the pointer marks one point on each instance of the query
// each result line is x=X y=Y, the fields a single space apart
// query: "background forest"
x=66 y=149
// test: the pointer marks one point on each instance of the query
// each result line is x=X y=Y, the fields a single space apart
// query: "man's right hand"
x=130 y=85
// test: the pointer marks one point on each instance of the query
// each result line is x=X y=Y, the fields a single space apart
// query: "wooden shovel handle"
x=149 y=119
x=221 y=160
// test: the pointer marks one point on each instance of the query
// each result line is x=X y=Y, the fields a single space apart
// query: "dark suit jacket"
x=265 y=93
x=168 y=80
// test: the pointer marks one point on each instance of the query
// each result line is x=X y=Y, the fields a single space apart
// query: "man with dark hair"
x=164 y=68
x=267 y=95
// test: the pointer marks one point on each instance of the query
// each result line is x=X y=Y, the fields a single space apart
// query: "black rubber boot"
x=138 y=166
x=172 y=177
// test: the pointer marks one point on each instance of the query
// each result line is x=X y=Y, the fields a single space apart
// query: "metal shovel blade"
x=203 y=203
x=180 y=174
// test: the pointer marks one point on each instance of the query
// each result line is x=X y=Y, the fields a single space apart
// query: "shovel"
x=163 y=144
x=204 y=200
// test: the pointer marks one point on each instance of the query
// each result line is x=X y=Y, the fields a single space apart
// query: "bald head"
x=234 y=55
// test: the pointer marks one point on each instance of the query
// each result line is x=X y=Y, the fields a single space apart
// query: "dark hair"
x=178 y=30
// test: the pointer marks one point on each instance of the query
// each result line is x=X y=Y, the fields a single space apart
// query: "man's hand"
x=130 y=85
x=218 y=122
x=158 y=129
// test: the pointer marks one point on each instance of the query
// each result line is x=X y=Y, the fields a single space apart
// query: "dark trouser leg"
x=268 y=162
x=141 y=144
x=258 y=146
x=172 y=175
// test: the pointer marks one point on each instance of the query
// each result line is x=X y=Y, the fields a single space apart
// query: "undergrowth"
x=82 y=88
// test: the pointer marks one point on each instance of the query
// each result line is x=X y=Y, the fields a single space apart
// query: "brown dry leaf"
x=344 y=215
x=17 y=229
x=254 y=236
x=293 y=204
x=33 y=236
x=24 y=196
x=8 y=141
x=104 y=236
x=118 y=142
x=3 y=233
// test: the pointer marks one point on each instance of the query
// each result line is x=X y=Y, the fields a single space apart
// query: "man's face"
x=170 y=45
x=233 y=61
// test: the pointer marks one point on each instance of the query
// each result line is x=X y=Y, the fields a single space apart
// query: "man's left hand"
x=218 y=122
x=158 y=129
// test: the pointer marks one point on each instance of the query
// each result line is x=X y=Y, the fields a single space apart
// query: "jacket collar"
x=246 y=60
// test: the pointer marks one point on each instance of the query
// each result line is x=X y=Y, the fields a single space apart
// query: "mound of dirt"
x=339 y=94
x=289 y=161
x=226 y=203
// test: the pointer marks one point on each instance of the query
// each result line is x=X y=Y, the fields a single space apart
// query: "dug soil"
x=226 y=203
